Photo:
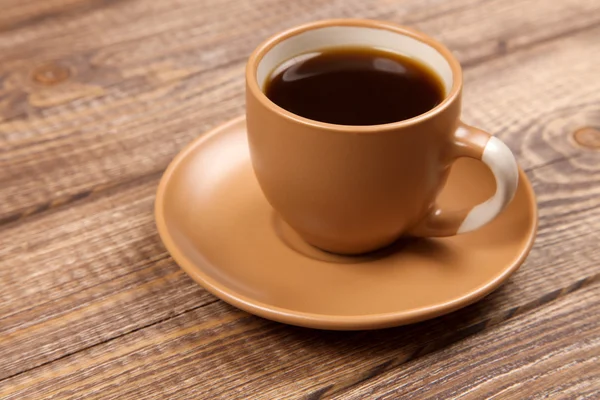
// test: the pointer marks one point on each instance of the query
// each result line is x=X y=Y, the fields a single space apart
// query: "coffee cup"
x=352 y=189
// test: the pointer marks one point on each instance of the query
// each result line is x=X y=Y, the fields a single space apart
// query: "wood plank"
x=96 y=270
x=97 y=314
x=218 y=352
x=79 y=247
x=552 y=352
x=39 y=28
x=66 y=253
x=143 y=89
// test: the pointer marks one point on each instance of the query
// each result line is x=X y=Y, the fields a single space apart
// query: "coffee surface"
x=355 y=86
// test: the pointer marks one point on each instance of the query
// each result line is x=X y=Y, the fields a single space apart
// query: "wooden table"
x=96 y=96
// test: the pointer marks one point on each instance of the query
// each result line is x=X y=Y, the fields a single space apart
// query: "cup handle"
x=475 y=143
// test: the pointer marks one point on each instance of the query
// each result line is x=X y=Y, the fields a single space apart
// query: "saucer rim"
x=324 y=321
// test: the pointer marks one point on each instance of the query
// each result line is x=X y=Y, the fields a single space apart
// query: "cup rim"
x=263 y=48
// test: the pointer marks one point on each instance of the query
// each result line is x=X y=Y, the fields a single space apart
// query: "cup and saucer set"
x=347 y=226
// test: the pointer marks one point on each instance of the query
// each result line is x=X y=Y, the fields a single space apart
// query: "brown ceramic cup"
x=354 y=189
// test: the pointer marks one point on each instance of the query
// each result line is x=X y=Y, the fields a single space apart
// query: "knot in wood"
x=51 y=74
x=588 y=137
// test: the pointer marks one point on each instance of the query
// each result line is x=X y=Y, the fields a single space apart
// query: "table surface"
x=97 y=96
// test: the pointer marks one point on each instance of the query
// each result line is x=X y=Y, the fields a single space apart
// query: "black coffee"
x=355 y=86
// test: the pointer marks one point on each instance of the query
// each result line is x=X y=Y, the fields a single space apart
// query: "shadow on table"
x=384 y=349
x=445 y=329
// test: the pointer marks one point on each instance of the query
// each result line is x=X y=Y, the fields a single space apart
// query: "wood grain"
x=96 y=96
x=117 y=237
x=550 y=136
x=553 y=352
x=63 y=300
x=192 y=355
x=143 y=89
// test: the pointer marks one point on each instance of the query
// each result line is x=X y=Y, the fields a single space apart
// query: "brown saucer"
x=217 y=225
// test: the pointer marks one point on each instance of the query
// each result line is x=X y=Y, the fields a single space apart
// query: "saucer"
x=217 y=225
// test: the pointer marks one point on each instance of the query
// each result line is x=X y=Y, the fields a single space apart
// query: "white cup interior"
x=312 y=41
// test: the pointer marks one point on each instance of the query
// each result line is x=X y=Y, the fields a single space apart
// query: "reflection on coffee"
x=355 y=86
